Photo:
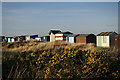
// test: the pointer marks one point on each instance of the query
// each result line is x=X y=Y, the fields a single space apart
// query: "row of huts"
x=103 y=39
x=18 y=38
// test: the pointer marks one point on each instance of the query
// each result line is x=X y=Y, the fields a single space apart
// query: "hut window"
x=104 y=39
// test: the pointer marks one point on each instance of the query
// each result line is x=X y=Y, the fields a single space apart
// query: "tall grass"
x=38 y=60
x=37 y=45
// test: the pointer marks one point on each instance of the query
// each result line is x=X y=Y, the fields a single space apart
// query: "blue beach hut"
x=72 y=38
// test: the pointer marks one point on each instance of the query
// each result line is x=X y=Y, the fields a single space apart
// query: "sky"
x=23 y=18
x=0 y=19
x=60 y=0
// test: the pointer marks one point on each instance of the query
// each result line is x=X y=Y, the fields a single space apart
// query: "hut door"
x=99 y=41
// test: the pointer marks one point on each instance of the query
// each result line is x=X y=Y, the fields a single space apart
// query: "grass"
x=58 y=59
x=37 y=45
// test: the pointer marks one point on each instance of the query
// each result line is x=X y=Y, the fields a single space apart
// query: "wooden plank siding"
x=91 y=39
x=81 y=40
x=106 y=39
x=86 y=38
x=117 y=42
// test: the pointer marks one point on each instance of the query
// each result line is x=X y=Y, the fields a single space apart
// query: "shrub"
x=61 y=63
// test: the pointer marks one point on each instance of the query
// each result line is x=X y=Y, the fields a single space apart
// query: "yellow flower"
x=86 y=55
x=74 y=68
x=58 y=74
x=76 y=51
x=17 y=63
x=93 y=50
x=102 y=71
x=42 y=61
x=32 y=54
x=69 y=76
x=69 y=48
x=59 y=70
x=84 y=66
x=100 y=64
x=49 y=61
x=92 y=66
x=38 y=59
x=65 y=52
x=92 y=60
x=40 y=55
x=94 y=53
x=36 y=62
x=114 y=73
x=97 y=59
x=48 y=70
x=43 y=53
x=21 y=59
x=98 y=70
x=90 y=54
x=53 y=60
x=45 y=76
x=95 y=73
x=104 y=68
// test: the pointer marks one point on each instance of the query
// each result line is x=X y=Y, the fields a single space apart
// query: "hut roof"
x=72 y=35
x=118 y=35
x=83 y=35
x=54 y=31
x=105 y=33
x=67 y=32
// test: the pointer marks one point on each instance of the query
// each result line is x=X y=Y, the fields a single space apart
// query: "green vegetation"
x=61 y=63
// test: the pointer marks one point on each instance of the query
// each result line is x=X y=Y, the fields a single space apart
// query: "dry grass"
x=34 y=45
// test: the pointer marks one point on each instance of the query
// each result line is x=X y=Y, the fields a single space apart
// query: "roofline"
x=53 y=30
x=73 y=35
x=106 y=35
x=64 y=32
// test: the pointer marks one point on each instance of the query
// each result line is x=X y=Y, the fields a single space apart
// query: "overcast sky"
x=78 y=17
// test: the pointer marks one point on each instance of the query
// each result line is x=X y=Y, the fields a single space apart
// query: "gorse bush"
x=69 y=63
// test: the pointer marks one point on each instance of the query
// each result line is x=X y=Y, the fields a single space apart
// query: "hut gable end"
x=54 y=31
x=106 y=39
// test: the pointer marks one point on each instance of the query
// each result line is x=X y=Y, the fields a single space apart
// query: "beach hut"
x=31 y=37
x=62 y=35
x=117 y=41
x=20 y=38
x=86 y=38
x=52 y=34
x=106 y=39
x=38 y=38
x=12 y=40
x=72 y=38
x=45 y=38
x=2 y=38
x=9 y=39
